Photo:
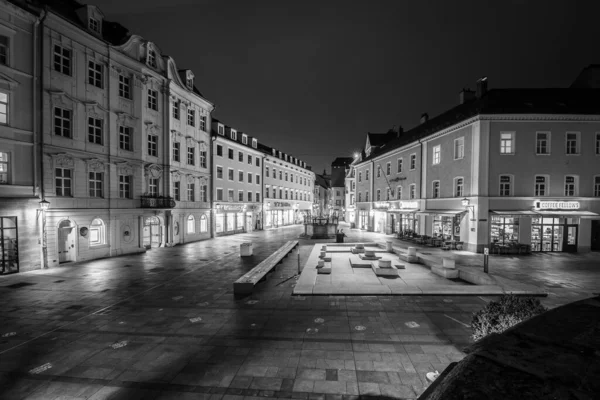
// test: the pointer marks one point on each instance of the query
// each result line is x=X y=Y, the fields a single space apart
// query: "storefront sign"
x=409 y=205
x=381 y=205
x=281 y=204
x=555 y=205
x=229 y=207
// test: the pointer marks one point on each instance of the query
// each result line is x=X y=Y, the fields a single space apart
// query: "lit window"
x=542 y=143
x=505 y=185
x=506 y=143
x=459 y=187
x=125 y=137
x=125 y=186
x=63 y=182
x=191 y=224
x=153 y=99
x=436 y=154
x=572 y=145
x=62 y=60
x=95 y=74
x=3 y=108
x=62 y=122
x=436 y=189
x=153 y=145
x=203 y=224
x=570 y=185
x=97 y=233
x=96 y=182
x=4 y=168
x=94 y=130
x=124 y=86
x=540 y=185
x=459 y=148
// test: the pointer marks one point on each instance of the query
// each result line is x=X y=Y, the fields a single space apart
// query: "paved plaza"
x=166 y=325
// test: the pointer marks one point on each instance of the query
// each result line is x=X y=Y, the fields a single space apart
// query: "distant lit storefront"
x=236 y=218
x=282 y=213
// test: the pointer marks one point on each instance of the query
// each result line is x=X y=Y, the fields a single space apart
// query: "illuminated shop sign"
x=381 y=205
x=230 y=207
x=281 y=204
x=409 y=204
x=556 y=205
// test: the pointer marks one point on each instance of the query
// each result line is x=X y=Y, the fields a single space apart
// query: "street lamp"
x=43 y=208
x=466 y=204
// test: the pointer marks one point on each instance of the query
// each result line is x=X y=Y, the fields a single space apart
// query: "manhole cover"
x=19 y=285
x=360 y=327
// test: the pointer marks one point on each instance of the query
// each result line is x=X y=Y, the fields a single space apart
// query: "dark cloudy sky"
x=312 y=77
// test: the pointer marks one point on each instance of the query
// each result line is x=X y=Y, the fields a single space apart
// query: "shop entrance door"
x=66 y=242
x=595 y=235
x=570 y=239
x=152 y=232
x=9 y=248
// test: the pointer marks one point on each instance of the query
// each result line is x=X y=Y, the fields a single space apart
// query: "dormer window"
x=233 y=135
x=254 y=143
x=94 y=25
x=152 y=58
x=245 y=139
x=221 y=130
x=189 y=80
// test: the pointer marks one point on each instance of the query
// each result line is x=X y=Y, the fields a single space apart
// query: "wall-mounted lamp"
x=466 y=204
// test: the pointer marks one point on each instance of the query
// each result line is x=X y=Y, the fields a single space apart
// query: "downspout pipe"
x=38 y=82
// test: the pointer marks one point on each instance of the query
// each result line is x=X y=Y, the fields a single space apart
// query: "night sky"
x=312 y=77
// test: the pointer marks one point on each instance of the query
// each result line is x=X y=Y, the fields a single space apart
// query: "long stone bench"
x=245 y=284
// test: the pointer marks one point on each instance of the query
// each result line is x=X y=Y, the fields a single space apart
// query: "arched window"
x=191 y=224
x=97 y=232
x=203 y=223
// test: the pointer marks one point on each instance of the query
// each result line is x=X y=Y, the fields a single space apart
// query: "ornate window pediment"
x=190 y=142
x=61 y=99
x=203 y=146
x=125 y=168
x=175 y=134
x=94 y=109
x=153 y=171
x=95 y=165
x=123 y=117
x=152 y=128
x=63 y=160
x=176 y=176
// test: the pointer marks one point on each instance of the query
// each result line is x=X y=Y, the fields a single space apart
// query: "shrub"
x=498 y=316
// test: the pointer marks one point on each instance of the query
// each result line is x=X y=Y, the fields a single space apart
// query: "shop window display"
x=504 y=230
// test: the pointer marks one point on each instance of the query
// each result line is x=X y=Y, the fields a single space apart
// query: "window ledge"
x=543 y=154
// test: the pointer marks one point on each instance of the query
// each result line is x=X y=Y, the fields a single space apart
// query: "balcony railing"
x=157 y=202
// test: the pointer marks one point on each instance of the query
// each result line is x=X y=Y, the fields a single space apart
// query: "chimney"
x=466 y=95
x=424 y=118
x=481 y=87
x=400 y=130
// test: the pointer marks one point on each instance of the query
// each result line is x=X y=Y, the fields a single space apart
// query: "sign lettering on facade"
x=281 y=204
x=229 y=207
x=409 y=204
x=381 y=204
x=554 y=205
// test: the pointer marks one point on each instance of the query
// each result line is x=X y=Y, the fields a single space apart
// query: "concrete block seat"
x=369 y=255
x=384 y=268
x=358 y=248
x=245 y=284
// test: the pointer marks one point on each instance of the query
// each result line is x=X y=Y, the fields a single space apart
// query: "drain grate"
x=19 y=285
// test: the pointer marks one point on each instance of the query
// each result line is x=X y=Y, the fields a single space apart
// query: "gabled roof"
x=503 y=101
x=183 y=78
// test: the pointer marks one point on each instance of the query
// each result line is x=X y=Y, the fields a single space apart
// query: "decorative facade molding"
x=176 y=176
x=153 y=171
x=203 y=180
x=95 y=165
x=63 y=160
x=175 y=134
x=92 y=107
x=190 y=141
x=124 y=168
x=123 y=116
x=203 y=145
x=61 y=98
x=152 y=128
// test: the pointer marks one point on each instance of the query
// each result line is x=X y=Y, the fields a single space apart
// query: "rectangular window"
x=506 y=143
x=125 y=186
x=257 y=162
x=62 y=60
x=221 y=130
x=230 y=174
x=504 y=230
x=191 y=117
x=202 y=159
x=257 y=197
x=360 y=176
x=230 y=195
x=4 y=168
x=153 y=99
x=95 y=74
x=245 y=139
x=230 y=153
x=598 y=144
x=175 y=110
x=388 y=168
x=4 y=50
x=435 y=189
x=191 y=156
x=63 y=182
x=267 y=192
x=399 y=193
x=413 y=191
x=176 y=151
x=505 y=185
x=379 y=171
x=540 y=186
x=153 y=145
x=240 y=195
x=286 y=176
x=254 y=143
x=257 y=179
x=249 y=196
x=249 y=177
x=203 y=123
x=399 y=166
x=220 y=194
x=233 y=135
x=96 y=182
x=597 y=186
x=220 y=150
x=177 y=191
x=151 y=58
x=280 y=175
x=3 y=108
x=125 y=137
x=413 y=161
x=240 y=156
x=572 y=146
x=153 y=187
x=378 y=198
x=436 y=154
x=459 y=148
x=241 y=176
x=191 y=192
x=62 y=122
x=359 y=197
x=124 y=87
x=94 y=25
x=95 y=130
x=459 y=187
x=366 y=175
x=249 y=159
x=204 y=193
x=542 y=143
x=570 y=188
x=219 y=172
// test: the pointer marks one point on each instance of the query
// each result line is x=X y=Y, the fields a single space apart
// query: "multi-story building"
x=288 y=188
x=350 y=190
x=237 y=180
x=504 y=166
x=339 y=168
x=322 y=192
x=189 y=157
x=20 y=223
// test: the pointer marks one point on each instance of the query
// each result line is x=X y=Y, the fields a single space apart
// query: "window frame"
x=511 y=142
x=459 y=148
x=575 y=185
x=436 y=190
x=63 y=179
x=413 y=160
x=177 y=191
x=62 y=61
x=577 y=143
x=230 y=174
x=546 y=184
x=190 y=225
x=191 y=191
x=96 y=184
x=412 y=191
x=64 y=119
x=98 y=229
x=6 y=105
x=5 y=167
x=125 y=186
x=125 y=137
x=152 y=145
x=191 y=117
x=461 y=186
x=125 y=87
x=548 y=141
x=596 y=186
x=176 y=153
x=191 y=155
x=5 y=56
x=502 y=189
x=436 y=154
x=95 y=131
x=95 y=76
x=152 y=102
x=219 y=169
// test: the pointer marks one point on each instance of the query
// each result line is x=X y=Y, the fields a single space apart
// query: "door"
x=393 y=223
x=570 y=239
x=595 y=235
x=66 y=242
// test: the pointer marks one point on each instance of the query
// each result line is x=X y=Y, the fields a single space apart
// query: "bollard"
x=486 y=254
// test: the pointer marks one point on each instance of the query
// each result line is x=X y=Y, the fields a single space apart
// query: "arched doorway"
x=66 y=242
x=152 y=232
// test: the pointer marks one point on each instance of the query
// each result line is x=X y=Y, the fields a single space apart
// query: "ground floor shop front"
x=284 y=213
x=232 y=218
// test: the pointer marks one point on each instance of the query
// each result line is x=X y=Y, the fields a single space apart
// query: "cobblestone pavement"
x=166 y=325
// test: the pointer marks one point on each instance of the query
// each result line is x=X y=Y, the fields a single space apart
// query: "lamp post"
x=43 y=208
